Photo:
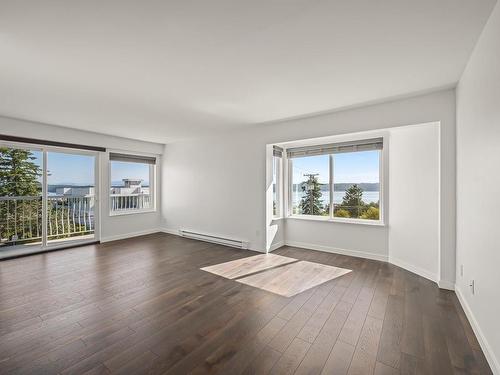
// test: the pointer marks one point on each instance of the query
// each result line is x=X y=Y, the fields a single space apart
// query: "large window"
x=47 y=196
x=338 y=181
x=132 y=181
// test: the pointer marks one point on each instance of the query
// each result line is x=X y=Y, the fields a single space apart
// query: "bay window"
x=339 y=181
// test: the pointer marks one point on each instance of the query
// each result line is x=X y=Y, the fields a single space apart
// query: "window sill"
x=131 y=212
x=328 y=219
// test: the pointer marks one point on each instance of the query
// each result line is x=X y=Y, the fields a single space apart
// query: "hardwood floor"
x=144 y=306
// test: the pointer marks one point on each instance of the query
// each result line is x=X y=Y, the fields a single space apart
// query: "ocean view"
x=368 y=196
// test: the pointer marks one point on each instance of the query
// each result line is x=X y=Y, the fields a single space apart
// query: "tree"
x=342 y=213
x=353 y=201
x=19 y=178
x=310 y=203
x=18 y=173
x=372 y=213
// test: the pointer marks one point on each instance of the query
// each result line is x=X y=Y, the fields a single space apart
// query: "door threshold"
x=20 y=254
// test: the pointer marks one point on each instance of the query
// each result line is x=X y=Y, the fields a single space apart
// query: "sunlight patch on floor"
x=277 y=274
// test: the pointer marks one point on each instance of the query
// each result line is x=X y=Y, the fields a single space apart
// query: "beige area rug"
x=277 y=274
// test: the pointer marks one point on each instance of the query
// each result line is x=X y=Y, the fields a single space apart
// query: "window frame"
x=290 y=194
x=278 y=185
x=152 y=185
x=331 y=217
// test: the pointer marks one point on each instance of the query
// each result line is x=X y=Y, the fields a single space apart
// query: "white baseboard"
x=329 y=249
x=276 y=245
x=445 y=284
x=410 y=267
x=170 y=231
x=130 y=235
x=485 y=346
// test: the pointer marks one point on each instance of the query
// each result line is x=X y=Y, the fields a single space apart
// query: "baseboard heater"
x=214 y=239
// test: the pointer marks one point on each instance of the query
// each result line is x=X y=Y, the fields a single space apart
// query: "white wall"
x=112 y=227
x=414 y=199
x=478 y=185
x=218 y=184
x=367 y=241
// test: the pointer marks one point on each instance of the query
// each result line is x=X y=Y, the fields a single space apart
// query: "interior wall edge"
x=277 y=245
x=483 y=342
x=412 y=268
x=175 y=232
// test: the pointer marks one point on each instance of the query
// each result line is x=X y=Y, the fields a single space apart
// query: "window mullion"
x=331 y=166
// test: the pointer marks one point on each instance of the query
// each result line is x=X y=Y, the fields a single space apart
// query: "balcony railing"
x=130 y=202
x=67 y=216
x=21 y=218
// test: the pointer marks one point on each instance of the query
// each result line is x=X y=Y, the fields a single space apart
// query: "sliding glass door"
x=21 y=192
x=48 y=198
x=71 y=197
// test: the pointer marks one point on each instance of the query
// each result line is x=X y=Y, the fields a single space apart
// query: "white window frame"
x=152 y=185
x=279 y=185
x=330 y=218
x=45 y=149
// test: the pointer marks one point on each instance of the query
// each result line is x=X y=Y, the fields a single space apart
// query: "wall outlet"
x=472 y=287
x=462 y=270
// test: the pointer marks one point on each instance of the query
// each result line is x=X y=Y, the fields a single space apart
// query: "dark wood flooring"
x=143 y=306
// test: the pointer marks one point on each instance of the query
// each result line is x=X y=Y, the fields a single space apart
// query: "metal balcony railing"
x=21 y=218
x=130 y=202
x=67 y=216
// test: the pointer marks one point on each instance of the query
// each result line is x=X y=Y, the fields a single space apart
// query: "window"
x=47 y=196
x=339 y=181
x=132 y=181
x=277 y=173
x=356 y=190
x=310 y=192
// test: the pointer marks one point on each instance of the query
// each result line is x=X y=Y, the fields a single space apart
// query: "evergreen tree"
x=311 y=201
x=19 y=178
x=18 y=173
x=353 y=201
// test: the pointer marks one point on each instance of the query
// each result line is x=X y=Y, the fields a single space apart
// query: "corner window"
x=132 y=181
x=338 y=181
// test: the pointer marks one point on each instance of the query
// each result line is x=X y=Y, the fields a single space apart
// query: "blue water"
x=368 y=196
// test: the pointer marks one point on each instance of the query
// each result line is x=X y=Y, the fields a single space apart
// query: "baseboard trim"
x=175 y=232
x=336 y=250
x=130 y=235
x=276 y=245
x=485 y=346
x=409 y=267
x=445 y=284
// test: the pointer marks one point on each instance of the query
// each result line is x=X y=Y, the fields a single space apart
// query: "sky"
x=353 y=167
x=79 y=169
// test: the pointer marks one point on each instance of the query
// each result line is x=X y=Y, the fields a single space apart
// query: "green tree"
x=310 y=203
x=353 y=201
x=372 y=213
x=19 y=218
x=18 y=173
x=342 y=213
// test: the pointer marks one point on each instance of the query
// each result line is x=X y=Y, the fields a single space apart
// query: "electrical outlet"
x=462 y=270
x=472 y=287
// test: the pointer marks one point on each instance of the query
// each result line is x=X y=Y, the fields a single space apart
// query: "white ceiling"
x=163 y=70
